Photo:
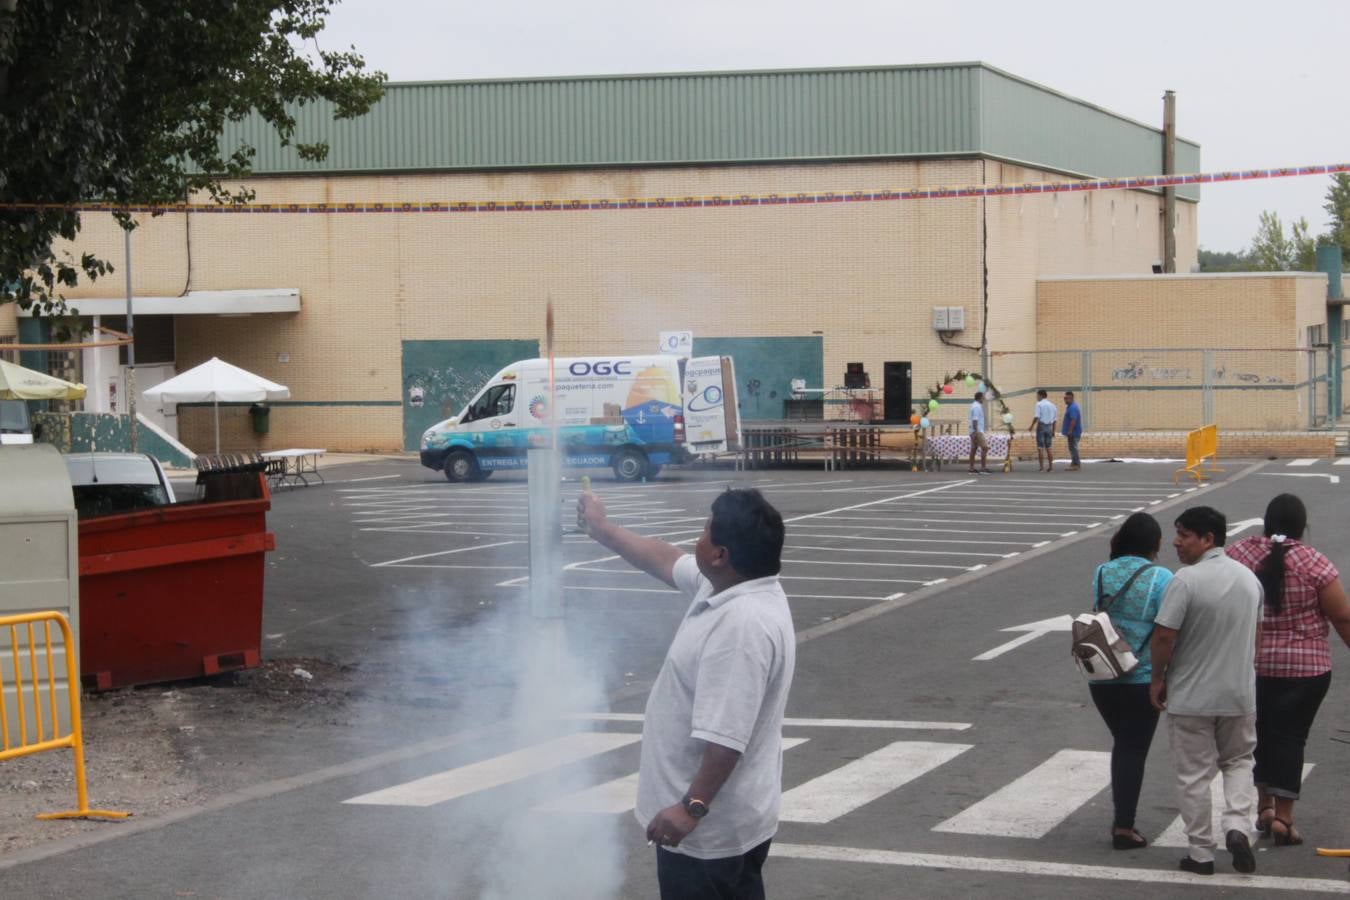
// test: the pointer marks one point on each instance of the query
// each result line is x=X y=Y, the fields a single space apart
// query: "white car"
x=109 y=483
x=14 y=425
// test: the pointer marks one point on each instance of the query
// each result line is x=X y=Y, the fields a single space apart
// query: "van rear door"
x=712 y=416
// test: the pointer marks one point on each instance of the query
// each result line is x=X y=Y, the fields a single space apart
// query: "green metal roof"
x=957 y=109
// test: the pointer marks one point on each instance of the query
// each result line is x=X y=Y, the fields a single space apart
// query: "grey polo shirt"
x=1215 y=606
x=725 y=681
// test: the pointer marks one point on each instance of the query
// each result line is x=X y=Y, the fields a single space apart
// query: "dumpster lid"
x=33 y=479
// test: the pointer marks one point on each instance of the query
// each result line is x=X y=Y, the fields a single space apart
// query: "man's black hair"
x=1139 y=535
x=1203 y=520
x=979 y=395
x=1042 y=394
x=751 y=530
x=1068 y=393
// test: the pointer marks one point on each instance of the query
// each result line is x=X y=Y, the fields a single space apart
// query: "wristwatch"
x=697 y=809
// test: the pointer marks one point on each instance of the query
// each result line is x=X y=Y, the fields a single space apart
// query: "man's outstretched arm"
x=655 y=557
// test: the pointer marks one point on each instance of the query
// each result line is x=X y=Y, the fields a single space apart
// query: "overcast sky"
x=1258 y=85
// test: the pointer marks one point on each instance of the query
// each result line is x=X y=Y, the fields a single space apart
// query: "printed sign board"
x=677 y=343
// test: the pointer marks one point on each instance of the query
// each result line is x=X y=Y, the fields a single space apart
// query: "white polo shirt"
x=725 y=680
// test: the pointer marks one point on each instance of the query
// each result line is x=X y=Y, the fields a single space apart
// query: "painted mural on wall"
x=765 y=367
x=440 y=377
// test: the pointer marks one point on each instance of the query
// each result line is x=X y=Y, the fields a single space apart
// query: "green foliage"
x=123 y=101
x=1221 y=261
x=1271 y=251
x=1338 y=208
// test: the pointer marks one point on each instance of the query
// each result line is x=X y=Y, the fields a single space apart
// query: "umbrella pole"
x=216 y=404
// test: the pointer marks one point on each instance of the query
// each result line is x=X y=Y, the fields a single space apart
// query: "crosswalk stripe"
x=1343 y=461
x=499 y=770
x=1175 y=834
x=863 y=780
x=1038 y=801
x=1302 y=462
x=617 y=796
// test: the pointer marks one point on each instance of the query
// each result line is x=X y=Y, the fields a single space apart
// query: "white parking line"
x=1130 y=874
x=923 y=552
x=1301 y=462
x=394 y=562
x=897 y=724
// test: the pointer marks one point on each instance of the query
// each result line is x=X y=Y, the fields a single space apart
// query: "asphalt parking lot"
x=938 y=739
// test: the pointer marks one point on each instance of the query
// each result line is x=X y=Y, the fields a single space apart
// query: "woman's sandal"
x=1263 y=821
x=1132 y=841
x=1289 y=836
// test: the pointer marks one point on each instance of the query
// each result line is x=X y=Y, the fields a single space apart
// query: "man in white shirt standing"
x=978 y=439
x=1043 y=427
x=1204 y=675
x=711 y=776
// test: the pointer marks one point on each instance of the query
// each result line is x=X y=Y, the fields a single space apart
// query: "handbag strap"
x=1123 y=588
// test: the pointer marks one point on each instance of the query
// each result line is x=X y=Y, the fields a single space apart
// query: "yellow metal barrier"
x=28 y=698
x=1202 y=452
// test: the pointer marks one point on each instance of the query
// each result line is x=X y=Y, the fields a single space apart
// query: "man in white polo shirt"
x=711 y=776
x=978 y=439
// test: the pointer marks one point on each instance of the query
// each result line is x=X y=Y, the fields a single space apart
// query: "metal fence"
x=1153 y=388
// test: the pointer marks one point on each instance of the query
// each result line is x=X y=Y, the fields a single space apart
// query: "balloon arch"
x=970 y=380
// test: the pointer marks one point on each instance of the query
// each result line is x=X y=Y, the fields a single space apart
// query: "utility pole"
x=1169 y=167
x=131 y=333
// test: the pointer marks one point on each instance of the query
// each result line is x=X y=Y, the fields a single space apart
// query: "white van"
x=624 y=412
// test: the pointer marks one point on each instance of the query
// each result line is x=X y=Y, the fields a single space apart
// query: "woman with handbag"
x=1304 y=599
x=1130 y=587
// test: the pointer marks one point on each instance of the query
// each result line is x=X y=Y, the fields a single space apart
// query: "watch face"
x=696 y=808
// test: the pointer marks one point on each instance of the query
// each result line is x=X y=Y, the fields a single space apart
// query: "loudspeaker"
x=898 y=384
x=855 y=378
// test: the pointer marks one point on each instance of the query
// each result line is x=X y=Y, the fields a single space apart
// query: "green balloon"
x=970 y=381
x=932 y=404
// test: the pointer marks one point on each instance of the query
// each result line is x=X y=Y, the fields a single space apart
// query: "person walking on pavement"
x=710 y=776
x=978 y=439
x=1304 y=599
x=1072 y=429
x=1124 y=702
x=1043 y=427
x=1204 y=676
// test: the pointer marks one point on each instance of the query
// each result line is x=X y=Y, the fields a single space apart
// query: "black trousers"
x=1132 y=720
x=1285 y=709
x=730 y=878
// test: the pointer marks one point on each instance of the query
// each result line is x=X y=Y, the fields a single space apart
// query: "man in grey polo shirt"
x=711 y=775
x=1204 y=675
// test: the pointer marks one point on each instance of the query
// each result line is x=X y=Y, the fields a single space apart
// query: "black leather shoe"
x=1244 y=860
x=1195 y=867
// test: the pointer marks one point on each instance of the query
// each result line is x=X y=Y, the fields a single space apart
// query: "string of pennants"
x=717 y=201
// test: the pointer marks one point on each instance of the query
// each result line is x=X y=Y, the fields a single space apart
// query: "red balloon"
x=946 y=389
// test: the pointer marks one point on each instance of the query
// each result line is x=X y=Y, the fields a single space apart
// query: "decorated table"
x=956 y=448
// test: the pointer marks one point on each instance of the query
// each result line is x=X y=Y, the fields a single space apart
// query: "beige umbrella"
x=18 y=383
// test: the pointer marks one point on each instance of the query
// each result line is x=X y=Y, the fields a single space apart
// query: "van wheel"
x=629 y=464
x=461 y=466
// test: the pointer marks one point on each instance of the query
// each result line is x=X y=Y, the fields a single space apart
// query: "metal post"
x=131 y=347
x=1207 y=388
x=1169 y=167
x=1086 y=405
x=545 y=514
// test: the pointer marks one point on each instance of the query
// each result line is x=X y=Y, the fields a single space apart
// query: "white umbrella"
x=216 y=380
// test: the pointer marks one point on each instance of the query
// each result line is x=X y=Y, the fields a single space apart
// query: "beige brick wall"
x=864 y=276
x=1156 y=325
x=1032 y=237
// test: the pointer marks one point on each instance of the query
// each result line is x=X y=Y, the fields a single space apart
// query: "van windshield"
x=13 y=417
